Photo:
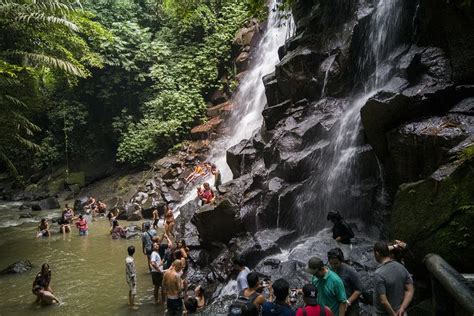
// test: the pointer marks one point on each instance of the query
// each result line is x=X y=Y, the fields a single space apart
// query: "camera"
x=293 y=296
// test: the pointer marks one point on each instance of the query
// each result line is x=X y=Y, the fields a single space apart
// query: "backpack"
x=243 y=305
x=322 y=311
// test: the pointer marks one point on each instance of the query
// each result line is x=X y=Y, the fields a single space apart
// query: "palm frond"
x=26 y=143
x=15 y=101
x=47 y=19
x=50 y=61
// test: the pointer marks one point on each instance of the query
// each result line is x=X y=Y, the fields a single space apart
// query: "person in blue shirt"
x=279 y=307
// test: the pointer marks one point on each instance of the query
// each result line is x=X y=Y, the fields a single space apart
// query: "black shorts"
x=155 y=222
x=157 y=278
x=175 y=305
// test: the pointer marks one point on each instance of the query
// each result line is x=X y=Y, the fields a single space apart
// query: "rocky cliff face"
x=415 y=136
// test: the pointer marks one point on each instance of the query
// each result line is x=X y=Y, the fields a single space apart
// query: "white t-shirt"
x=130 y=270
x=242 y=283
x=155 y=257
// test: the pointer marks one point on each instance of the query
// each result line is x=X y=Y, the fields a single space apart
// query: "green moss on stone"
x=76 y=178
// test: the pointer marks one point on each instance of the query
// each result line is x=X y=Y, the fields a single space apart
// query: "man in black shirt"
x=341 y=231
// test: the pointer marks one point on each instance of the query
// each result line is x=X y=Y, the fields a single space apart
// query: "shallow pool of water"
x=88 y=273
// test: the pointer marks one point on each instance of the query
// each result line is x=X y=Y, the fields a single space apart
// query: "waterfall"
x=249 y=99
x=338 y=174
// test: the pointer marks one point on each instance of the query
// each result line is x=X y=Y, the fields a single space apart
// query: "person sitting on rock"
x=341 y=231
x=199 y=293
x=66 y=219
x=101 y=207
x=169 y=221
x=43 y=229
x=90 y=204
x=118 y=231
x=81 y=224
x=205 y=194
x=200 y=170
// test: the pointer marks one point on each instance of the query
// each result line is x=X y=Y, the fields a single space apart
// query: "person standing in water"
x=81 y=224
x=173 y=286
x=42 y=286
x=131 y=277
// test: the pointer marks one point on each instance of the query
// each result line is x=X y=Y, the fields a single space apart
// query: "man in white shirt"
x=131 y=277
x=156 y=266
x=242 y=283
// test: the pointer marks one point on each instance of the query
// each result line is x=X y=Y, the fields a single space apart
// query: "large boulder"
x=50 y=203
x=437 y=214
x=218 y=223
x=241 y=157
x=17 y=267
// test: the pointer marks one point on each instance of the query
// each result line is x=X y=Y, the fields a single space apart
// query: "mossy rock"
x=432 y=215
x=76 y=178
x=56 y=186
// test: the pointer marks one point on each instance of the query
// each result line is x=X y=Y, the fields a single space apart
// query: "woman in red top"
x=206 y=195
x=81 y=224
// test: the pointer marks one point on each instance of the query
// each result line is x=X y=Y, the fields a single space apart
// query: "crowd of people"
x=335 y=287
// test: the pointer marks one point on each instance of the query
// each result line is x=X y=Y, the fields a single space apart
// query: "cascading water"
x=338 y=175
x=249 y=99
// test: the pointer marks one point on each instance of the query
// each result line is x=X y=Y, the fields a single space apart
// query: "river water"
x=88 y=273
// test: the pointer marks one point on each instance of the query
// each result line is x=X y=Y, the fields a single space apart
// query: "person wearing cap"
x=279 y=307
x=330 y=287
x=147 y=241
x=349 y=277
x=311 y=306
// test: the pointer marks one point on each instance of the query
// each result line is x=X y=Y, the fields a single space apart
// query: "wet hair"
x=66 y=206
x=43 y=220
x=44 y=266
x=239 y=261
x=206 y=185
x=252 y=279
x=336 y=253
x=281 y=289
x=191 y=304
x=381 y=247
x=80 y=216
x=131 y=250
x=202 y=290
x=183 y=243
x=115 y=223
x=334 y=216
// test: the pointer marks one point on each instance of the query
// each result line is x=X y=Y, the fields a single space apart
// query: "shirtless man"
x=172 y=286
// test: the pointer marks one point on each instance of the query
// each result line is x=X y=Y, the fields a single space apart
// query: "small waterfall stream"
x=249 y=99
x=330 y=188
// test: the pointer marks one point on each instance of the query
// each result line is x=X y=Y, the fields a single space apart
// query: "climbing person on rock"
x=393 y=285
x=131 y=277
x=349 y=277
x=81 y=224
x=341 y=231
x=205 y=194
x=169 y=221
x=147 y=241
x=43 y=229
x=217 y=176
x=311 y=306
x=329 y=285
x=118 y=231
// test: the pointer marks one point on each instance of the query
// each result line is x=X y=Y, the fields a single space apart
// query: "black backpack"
x=243 y=305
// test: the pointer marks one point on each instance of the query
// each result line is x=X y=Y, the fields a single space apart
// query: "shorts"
x=83 y=232
x=175 y=306
x=133 y=288
x=155 y=222
x=157 y=278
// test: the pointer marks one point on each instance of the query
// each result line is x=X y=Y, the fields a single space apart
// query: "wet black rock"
x=17 y=267
x=45 y=204
x=26 y=215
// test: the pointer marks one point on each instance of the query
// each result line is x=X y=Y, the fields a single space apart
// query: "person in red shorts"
x=311 y=307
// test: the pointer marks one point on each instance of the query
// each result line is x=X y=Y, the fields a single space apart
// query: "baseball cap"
x=310 y=294
x=314 y=265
